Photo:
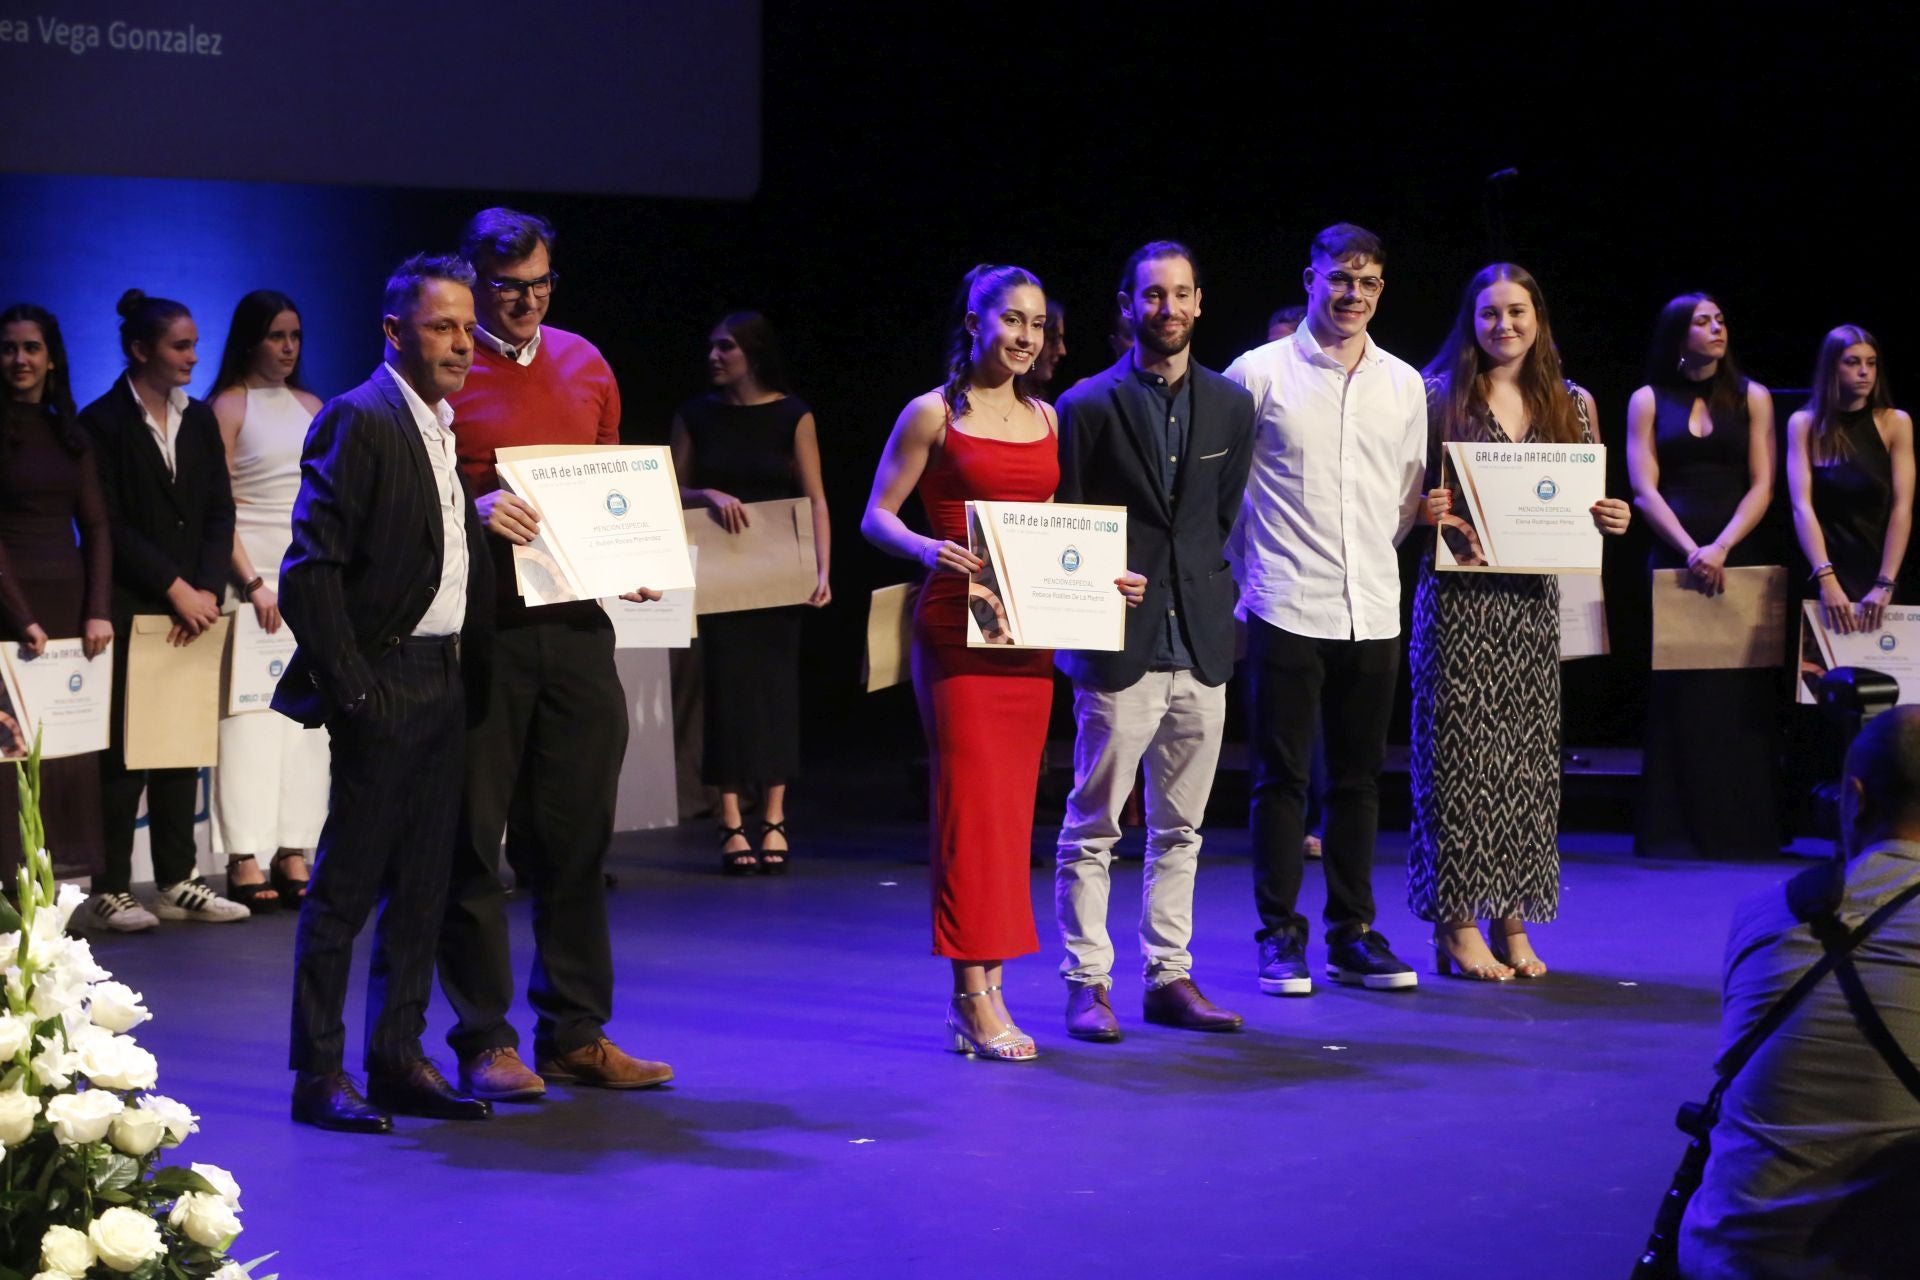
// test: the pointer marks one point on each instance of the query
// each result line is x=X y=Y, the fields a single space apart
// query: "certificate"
x=609 y=521
x=666 y=623
x=1744 y=627
x=253 y=672
x=1046 y=576
x=1583 y=617
x=1893 y=650
x=59 y=695
x=1521 y=508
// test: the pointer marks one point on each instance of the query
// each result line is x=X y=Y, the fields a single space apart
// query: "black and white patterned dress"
x=1485 y=658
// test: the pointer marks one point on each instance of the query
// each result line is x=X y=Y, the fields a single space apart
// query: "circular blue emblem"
x=275 y=667
x=74 y=682
x=1887 y=642
x=1546 y=490
x=1070 y=559
x=616 y=503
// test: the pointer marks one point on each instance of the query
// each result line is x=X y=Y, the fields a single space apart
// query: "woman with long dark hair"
x=51 y=587
x=1485 y=654
x=270 y=791
x=751 y=440
x=1850 y=471
x=983 y=435
x=1700 y=455
x=164 y=477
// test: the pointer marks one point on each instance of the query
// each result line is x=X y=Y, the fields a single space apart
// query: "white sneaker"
x=193 y=900
x=121 y=913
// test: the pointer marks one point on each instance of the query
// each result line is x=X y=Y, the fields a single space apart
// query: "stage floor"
x=816 y=1128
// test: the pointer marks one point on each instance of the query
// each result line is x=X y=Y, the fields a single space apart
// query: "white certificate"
x=1521 y=508
x=60 y=695
x=1893 y=650
x=253 y=672
x=666 y=623
x=610 y=521
x=1583 y=617
x=1047 y=576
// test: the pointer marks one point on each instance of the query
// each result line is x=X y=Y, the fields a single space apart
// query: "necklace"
x=1006 y=415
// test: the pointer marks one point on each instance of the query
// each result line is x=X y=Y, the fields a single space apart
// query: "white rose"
x=222 y=1181
x=124 y=1238
x=67 y=901
x=52 y=1066
x=232 y=1271
x=137 y=1132
x=66 y=1251
x=179 y=1120
x=55 y=992
x=116 y=1006
x=82 y=1117
x=206 y=1219
x=77 y=959
x=80 y=1032
x=17 y=1112
x=51 y=1275
x=16 y=1033
x=119 y=1063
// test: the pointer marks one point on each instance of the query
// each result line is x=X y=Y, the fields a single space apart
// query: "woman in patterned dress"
x=1486 y=655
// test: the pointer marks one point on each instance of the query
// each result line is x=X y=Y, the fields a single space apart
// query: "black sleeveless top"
x=1853 y=500
x=744 y=449
x=1703 y=478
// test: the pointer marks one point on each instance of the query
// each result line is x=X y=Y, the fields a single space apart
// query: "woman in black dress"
x=1850 y=471
x=51 y=587
x=1700 y=454
x=751 y=441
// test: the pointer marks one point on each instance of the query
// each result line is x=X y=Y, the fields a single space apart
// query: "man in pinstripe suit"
x=388 y=586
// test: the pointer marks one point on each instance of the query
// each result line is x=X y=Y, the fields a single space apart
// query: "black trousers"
x=543 y=768
x=172 y=796
x=393 y=809
x=1344 y=688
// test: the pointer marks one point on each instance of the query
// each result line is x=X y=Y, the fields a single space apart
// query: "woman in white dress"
x=270 y=790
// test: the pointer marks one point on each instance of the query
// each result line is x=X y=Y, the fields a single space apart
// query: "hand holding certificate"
x=609 y=521
x=1047 y=576
x=1521 y=508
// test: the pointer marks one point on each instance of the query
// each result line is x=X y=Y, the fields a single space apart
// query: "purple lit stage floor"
x=816 y=1128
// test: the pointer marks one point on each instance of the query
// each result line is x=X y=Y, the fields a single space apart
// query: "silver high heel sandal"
x=1005 y=1047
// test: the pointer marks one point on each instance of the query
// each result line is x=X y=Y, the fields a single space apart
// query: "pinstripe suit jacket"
x=364 y=562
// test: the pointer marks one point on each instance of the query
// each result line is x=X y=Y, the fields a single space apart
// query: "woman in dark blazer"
x=163 y=473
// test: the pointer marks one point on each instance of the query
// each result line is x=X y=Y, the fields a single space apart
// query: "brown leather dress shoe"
x=1089 y=1016
x=418 y=1089
x=331 y=1100
x=499 y=1075
x=1180 y=1004
x=602 y=1065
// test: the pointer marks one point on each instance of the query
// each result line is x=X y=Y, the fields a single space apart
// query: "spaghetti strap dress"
x=985 y=712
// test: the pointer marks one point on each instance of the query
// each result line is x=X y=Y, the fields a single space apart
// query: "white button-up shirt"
x=449 y=608
x=522 y=356
x=1338 y=464
x=168 y=436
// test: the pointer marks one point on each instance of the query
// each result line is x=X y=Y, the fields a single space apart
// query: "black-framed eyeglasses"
x=1342 y=283
x=508 y=289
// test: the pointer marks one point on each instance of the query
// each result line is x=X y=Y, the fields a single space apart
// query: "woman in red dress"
x=983 y=435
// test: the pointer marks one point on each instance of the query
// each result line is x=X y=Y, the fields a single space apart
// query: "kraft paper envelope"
x=173 y=695
x=1744 y=627
x=768 y=564
x=890 y=637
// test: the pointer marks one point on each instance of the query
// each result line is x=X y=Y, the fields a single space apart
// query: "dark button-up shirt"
x=1163 y=414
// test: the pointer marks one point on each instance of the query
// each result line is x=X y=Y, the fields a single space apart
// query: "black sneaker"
x=1284 y=970
x=1366 y=961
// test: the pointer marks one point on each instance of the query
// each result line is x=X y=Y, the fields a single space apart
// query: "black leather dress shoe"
x=331 y=1100
x=1180 y=1004
x=1089 y=1015
x=418 y=1089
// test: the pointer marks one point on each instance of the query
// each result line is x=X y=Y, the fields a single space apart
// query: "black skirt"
x=752 y=667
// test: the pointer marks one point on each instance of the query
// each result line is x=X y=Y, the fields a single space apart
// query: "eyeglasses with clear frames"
x=1342 y=283
x=508 y=289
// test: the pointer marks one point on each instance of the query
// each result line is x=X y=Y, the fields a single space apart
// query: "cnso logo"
x=74 y=682
x=616 y=503
x=1887 y=642
x=1070 y=559
x=275 y=667
x=1546 y=490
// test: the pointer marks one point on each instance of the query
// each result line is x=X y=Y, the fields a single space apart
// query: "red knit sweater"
x=566 y=396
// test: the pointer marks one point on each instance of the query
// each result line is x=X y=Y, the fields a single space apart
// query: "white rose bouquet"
x=82 y=1193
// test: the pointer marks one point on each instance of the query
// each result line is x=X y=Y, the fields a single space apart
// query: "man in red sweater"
x=548 y=752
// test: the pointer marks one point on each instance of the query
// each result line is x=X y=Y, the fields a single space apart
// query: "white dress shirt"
x=449 y=608
x=1338 y=464
x=165 y=436
x=522 y=356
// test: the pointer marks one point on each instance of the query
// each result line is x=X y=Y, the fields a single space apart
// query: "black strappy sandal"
x=744 y=862
x=290 y=888
x=773 y=862
x=263 y=895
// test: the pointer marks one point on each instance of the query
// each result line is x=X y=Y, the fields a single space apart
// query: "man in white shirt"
x=1339 y=458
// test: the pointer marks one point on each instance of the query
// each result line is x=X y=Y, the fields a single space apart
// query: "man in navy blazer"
x=1172 y=443
x=387 y=585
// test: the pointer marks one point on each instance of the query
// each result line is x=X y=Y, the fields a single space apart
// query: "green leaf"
x=116 y=1173
x=113 y=1197
x=9 y=923
x=174 y=1181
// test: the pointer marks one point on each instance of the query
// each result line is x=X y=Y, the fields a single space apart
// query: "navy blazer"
x=165 y=525
x=1106 y=458
x=364 y=563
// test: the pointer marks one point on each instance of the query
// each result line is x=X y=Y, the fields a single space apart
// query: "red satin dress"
x=985 y=711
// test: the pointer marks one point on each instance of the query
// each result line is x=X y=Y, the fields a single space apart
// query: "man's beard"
x=1153 y=338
